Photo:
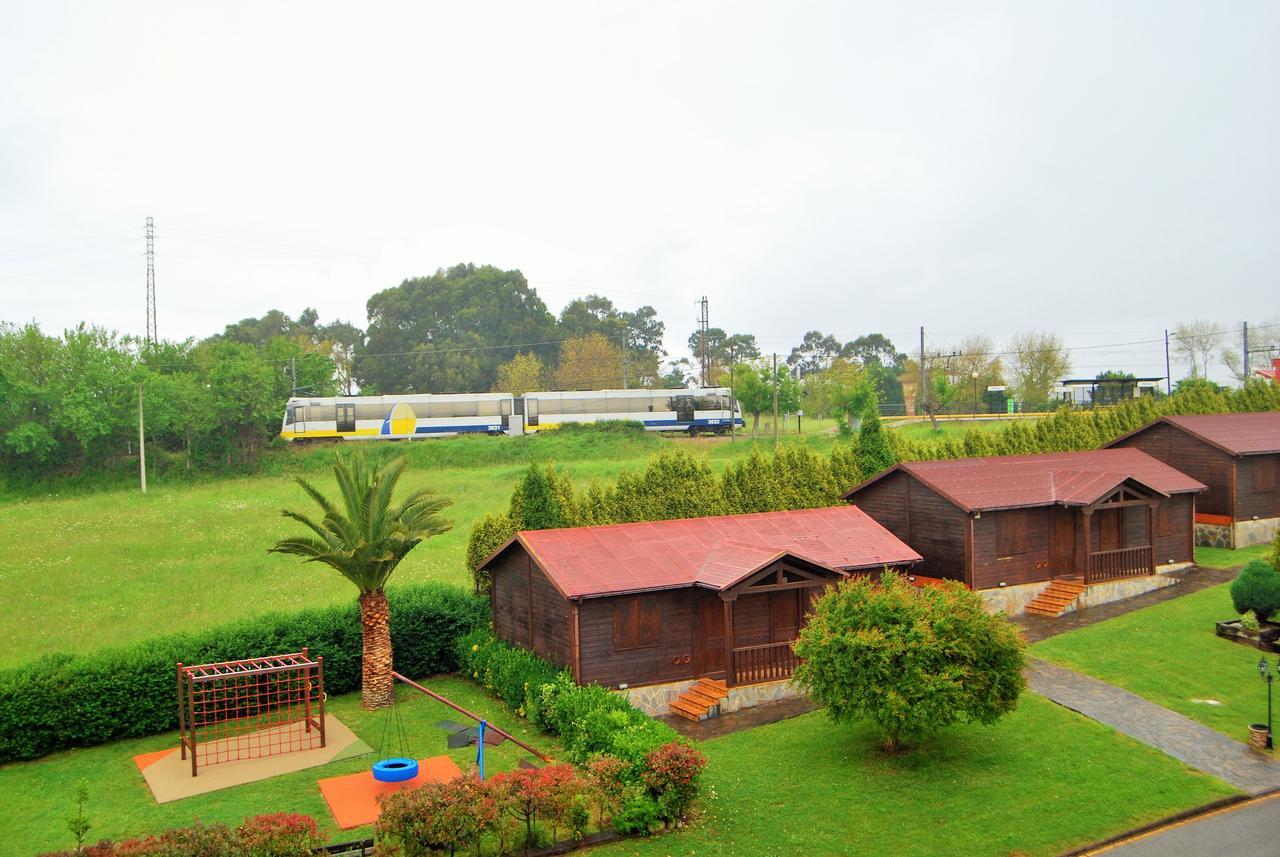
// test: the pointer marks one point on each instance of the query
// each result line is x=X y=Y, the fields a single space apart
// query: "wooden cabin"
x=664 y=601
x=1009 y=521
x=1237 y=456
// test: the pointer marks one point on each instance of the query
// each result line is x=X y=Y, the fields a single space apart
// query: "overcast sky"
x=1104 y=170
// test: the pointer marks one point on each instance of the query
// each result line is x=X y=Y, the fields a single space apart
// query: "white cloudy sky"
x=1104 y=170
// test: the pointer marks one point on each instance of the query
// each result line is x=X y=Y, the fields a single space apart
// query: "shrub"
x=909 y=659
x=1249 y=621
x=671 y=773
x=62 y=701
x=281 y=834
x=1257 y=588
x=448 y=816
x=489 y=533
x=638 y=815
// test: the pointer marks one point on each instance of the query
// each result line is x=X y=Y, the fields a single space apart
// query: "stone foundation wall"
x=1118 y=590
x=655 y=699
x=1013 y=600
x=1256 y=532
x=1213 y=535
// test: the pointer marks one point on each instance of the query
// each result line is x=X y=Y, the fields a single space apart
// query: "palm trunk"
x=376 y=690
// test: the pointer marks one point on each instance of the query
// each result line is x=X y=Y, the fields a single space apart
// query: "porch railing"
x=1119 y=563
x=767 y=662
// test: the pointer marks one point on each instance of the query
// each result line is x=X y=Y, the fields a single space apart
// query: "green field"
x=1226 y=558
x=1170 y=654
x=93 y=569
x=39 y=795
x=949 y=429
x=1042 y=780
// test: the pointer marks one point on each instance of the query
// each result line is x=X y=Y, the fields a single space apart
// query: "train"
x=411 y=416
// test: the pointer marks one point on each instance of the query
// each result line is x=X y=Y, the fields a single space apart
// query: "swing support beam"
x=458 y=708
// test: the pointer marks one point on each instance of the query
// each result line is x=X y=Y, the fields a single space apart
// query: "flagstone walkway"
x=1181 y=737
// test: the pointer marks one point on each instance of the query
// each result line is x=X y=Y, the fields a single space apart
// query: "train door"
x=684 y=409
x=531 y=412
x=346 y=417
x=504 y=409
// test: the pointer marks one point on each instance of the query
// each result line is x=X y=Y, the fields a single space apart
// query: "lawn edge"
x=1168 y=821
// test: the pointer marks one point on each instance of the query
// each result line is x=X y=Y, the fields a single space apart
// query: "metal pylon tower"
x=702 y=338
x=152 y=336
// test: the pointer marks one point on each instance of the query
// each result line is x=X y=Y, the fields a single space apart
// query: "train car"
x=447 y=414
x=397 y=417
x=712 y=409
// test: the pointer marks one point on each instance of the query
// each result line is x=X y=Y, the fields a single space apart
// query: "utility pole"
x=775 y=402
x=142 y=444
x=733 y=403
x=1168 y=372
x=1244 y=335
x=152 y=335
x=293 y=375
x=624 y=360
x=703 y=320
x=920 y=399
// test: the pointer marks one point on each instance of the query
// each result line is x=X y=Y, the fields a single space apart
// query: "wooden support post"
x=728 y=642
x=1088 y=544
x=1151 y=534
x=191 y=722
x=182 y=714
x=320 y=680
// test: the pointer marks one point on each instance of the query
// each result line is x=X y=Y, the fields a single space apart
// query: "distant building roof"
x=1236 y=434
x=1048 y=479
x=715 y=552
x=1098 y=382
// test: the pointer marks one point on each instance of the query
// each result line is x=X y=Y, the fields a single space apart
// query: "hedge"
x=589 y=720
x=62 y=701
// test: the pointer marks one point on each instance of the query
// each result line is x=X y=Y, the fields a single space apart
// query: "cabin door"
x=708 y=635
x=1062 y=542
x=784 y=615
x=1109 y=530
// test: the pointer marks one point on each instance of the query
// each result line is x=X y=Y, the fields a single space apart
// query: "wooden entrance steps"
x=1055 y=600
x=700 y=701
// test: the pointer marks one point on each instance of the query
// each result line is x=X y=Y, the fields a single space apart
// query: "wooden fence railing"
x=1119 y=563
x=767 y=662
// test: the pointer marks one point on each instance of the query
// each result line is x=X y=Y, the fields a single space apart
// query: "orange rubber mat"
x=353 y=799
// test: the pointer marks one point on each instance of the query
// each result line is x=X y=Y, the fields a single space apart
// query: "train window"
x=465 y=408
x=565 y=406
x=372 y=410
x=291 y=415
x=488 y=407
x=441 y=409
x=620 y=404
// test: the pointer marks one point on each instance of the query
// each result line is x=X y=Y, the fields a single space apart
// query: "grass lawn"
x=1227 y=558
x=88 y=570
x=1042 y=780
x=39 y=795
x=1169 y=654
x=948 y=428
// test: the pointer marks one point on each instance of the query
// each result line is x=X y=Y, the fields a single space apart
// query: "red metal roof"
x=1237 y=434
x=715 y=552
x=1053 y=478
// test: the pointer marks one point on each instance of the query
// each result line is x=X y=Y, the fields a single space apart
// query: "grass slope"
x=948 y=429
x=1227 y=558
x=1169 y=654
x=38 y=796
x=1042 y=780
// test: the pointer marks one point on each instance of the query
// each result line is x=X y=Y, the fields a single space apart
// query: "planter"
x=1266 y=638
x=1258 y=734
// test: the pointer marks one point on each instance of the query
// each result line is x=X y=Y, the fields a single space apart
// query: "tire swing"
x=400 y=768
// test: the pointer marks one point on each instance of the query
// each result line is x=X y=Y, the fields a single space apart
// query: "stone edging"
x=1168 y=821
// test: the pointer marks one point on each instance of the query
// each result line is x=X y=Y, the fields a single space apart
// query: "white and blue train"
x=446 y=414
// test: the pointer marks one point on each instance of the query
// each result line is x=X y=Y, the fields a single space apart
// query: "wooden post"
x=728 y=642
x=1088 y=544
x=182 y=714
x=191 y=722
x=320 y=679
x=1151 y=534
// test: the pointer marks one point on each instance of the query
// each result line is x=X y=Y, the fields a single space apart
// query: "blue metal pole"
x=480 y=749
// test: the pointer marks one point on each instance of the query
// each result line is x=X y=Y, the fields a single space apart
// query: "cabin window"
x=1011 y=533
x=1264 y=474
x=1164 y=520
x=636 y=623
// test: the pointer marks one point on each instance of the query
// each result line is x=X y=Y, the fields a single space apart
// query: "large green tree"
x=363 y=536
x=442 y=333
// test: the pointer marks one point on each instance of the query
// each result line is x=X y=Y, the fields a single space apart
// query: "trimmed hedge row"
x=63 y=701
x=590 y=720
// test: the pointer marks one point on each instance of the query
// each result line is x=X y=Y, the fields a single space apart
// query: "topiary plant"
x=1257 y=588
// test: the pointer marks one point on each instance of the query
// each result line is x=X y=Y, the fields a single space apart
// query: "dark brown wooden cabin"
x=1010 y=520
x=663 y=601
x=1236 y=455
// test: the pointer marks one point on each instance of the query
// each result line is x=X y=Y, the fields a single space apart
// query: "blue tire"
x=395 y=770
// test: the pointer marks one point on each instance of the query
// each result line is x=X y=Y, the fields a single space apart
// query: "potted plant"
x=1255 y=593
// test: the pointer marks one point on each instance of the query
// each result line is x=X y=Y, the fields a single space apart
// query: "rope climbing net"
x=250 y=709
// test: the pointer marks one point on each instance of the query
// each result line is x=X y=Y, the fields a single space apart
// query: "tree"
x=641 y=331
x=840 y=391
x=1038 y=360
x=814 y=353
x=722 y=350
x=974 y=367
x=520 y=374
x=680 y=373
x=589 y=363
x=364 y=537
x=1264 y=344
x=883 y=362
x=1257 y=588
x=534 y=505
x=1196 y=342
x=942 y=392
x=1113 y=387
x=437 y=334
x=752 y=390
x=875 y=452
x=908 y=659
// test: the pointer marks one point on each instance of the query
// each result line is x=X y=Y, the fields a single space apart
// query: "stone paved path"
x=1154 y=725
x=746 y=718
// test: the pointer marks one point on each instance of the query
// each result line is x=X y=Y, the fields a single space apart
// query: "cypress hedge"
x=62 y=701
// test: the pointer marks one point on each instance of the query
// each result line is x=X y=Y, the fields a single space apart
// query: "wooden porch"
x=1123 y=545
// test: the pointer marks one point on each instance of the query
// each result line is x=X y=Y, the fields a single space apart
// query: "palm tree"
x=364 y=538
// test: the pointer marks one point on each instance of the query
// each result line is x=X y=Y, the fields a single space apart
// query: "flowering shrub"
x=671 y=773
x=278 y=835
